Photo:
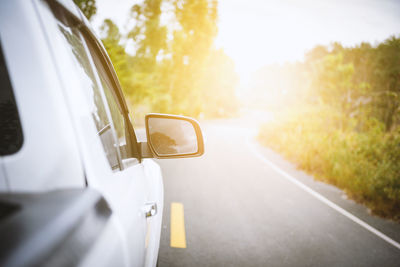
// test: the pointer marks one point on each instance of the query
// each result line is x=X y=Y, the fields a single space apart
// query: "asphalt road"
x=244 y=205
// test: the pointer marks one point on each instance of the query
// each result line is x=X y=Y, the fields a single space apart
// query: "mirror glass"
x=172 y=136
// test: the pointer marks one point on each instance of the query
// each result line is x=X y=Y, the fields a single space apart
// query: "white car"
x=77 y=188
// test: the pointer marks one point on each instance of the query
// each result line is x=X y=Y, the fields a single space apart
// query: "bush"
x=327 y=145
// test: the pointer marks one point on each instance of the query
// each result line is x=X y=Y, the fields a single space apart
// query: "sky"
x=255 y=33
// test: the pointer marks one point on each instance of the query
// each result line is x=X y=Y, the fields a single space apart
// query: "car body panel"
x=61 y=146
x=126 y=190
x=41 y=106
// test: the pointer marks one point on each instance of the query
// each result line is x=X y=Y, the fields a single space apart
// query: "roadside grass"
x=364 y=163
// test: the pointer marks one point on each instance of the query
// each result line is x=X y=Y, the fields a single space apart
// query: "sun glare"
x=258 y=33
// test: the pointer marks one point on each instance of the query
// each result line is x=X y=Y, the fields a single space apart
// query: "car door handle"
x=150 y=209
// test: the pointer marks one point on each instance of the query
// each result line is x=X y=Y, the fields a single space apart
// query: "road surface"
x=244 y=205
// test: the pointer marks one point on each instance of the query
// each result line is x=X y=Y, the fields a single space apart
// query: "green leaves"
x=351 y=137
x=175 y=68
x=365 y=164
x=88 y=7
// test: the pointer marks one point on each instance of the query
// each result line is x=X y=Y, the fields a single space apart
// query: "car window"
x=92 y=86
x=112 y=100
x=10 y=130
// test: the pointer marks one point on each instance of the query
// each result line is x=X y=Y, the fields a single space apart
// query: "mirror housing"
x=172 y=136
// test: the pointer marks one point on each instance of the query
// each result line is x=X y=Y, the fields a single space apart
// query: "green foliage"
x=175 y=68
x=148 y=34
x=116 y=51
x=88 y=7
x=333 y=80
x=346 y=130
x=365 y=164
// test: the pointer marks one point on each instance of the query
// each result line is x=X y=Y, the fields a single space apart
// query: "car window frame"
x=131 y=150
x=131 y=147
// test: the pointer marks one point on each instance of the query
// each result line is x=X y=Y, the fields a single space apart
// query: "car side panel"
x=155 y=189
x=49 y=158
x=124 y=190
x=109 y=249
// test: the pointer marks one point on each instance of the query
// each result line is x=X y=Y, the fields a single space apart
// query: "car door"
x=132 y=166
x=108 y=144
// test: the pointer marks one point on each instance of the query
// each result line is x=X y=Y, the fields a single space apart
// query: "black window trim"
x=67 y=18
x=119 y=165
x=132 y=149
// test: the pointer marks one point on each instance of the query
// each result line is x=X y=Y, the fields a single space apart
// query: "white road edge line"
x=321 y=198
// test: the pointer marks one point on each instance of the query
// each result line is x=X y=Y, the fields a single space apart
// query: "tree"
x=112 y=42
x=190 y=49
x=148 y=34
x=333 y=81
x=176 y=67
x=387 y=80
x=88 y=7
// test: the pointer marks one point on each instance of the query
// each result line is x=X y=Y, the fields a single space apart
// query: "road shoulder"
x=330 y=192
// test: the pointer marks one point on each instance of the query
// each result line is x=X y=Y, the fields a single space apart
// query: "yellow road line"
x=178 y=236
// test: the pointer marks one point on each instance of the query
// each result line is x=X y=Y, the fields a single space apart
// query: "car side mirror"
x=172 y=136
